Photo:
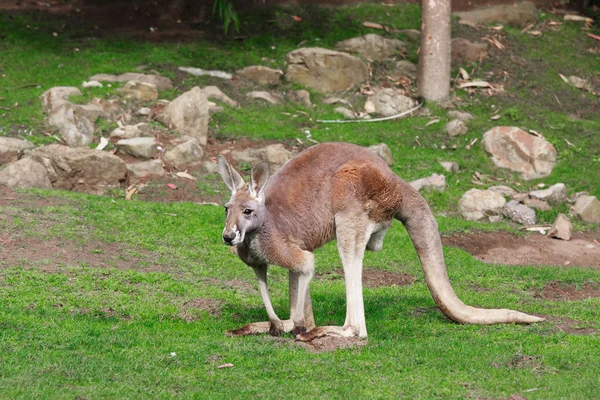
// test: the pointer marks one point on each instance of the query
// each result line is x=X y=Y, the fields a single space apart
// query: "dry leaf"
x=578 y=18
x=593 y=36
x=228 y=365
x=564 y=78
x=479 y=84
x=185 y=175
x=535 y=33
x=433 y=121
x=498 y=27
x=296 y=18
x=103 y=143
x=464 y=74
x=528 y=27
x=130 y=192
x=373 y=25
x=495 y=117
x=172 y=186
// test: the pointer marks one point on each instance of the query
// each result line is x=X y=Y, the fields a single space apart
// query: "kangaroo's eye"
x=248 y=211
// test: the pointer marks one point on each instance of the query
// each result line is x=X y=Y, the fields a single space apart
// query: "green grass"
x=75 y=329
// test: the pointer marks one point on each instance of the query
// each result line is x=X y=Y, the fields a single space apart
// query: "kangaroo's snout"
x=229 y=237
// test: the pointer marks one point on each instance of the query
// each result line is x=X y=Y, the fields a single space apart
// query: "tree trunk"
x=434 y=57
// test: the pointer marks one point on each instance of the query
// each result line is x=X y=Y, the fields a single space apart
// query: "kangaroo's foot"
x=276 y=328
x=321 y=331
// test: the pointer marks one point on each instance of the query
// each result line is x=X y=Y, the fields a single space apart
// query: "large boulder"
x=389 y=102
x=275 y=154
x=324 y=70
x=515 y=149
x=371 y=46
x=12 y=148
x=188 y=114
x=187 y=152
x=144 y=168
x=554 y=194
x=25 y=173
x=519 y=15
x=80 y=169
x=477 y=204
x=261 y=75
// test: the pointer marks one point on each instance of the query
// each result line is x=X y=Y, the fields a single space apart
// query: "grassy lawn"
x=106 y=298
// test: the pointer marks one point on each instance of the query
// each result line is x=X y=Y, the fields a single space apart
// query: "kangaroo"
x=334 y=191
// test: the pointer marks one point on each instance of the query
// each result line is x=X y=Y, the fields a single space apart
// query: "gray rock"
x=187 y=152
x=460 y=115
x=139 y=91
x=188 y=114
x=555 y=194
x=300 y=96
x=371 y=46
x=130 y=131
x=12 y=148
x=512 y=148
x=275 y=154
x=264 y=95
x=160 y=82
x=519 y=213
x=347 y=113
x=76 y=130
x=324 y=70
x=145 y=168
x=144 y=111
x=587 y=208
x=56 y=97
x=520 y=197
x=562 y=228
x=503 y=190
x=477 y=204
x=214 y=93
x=433 y=182
x=405 y=68
x=450 y=166
x=211 y=167
x=140 y=147
x=261 y=75
x=80 y=169
x=456 y=127
x=25 y=173
x=412 y=35
x=383 y=151
x=391 y=101
x=519 y=15
x=465 y=51
x=537 y=204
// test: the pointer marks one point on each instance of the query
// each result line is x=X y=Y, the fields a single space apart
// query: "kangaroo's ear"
x=258 y=179
x=230 y=176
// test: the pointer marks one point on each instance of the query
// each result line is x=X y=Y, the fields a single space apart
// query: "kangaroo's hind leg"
x=375 y=242
x=353 y=231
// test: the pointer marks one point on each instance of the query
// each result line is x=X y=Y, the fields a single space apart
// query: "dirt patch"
x=373 y=278
x=522 y=361
x=568 y=292
x=571 y=326
x=331 y=343
x=192 y=310
x=506 y=248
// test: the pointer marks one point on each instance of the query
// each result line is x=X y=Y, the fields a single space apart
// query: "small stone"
x=130 y=131
x=562 y=228
x=383 y=151
x=391 y=101
x=275 y=154
x=456 y=127
x=211 y=167
x=144 y=111
x=587 y=208
x=300 y=96
x=90 y=84
x=405 y=68
x=139 y=90
x=537 y=204
x=348 y=114
x=141 y=147
x=450 y=166
x=520 y=197
x=261 y=75
x=433 y=182
x=505 y=191
x=554 y=194
x=519 y=213
x=460 y=115
x=264 y=95
x=11 y=149
x=372 y=46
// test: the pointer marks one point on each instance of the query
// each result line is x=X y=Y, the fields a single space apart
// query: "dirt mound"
x=506 y=248
x=564 y=291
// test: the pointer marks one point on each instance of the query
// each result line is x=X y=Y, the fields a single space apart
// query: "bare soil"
x=373 y=278
x=567 y=292
x=506 y=248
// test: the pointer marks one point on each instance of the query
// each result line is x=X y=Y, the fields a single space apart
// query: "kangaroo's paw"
x=321 y=331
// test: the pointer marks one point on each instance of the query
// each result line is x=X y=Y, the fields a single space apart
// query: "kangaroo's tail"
x=423 y=231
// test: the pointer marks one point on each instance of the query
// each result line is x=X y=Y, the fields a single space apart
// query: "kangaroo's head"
x=245 y=211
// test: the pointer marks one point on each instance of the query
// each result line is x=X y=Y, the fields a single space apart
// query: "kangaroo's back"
x=304 y=196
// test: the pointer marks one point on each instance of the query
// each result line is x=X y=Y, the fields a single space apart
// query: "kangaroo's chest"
x=251 y=251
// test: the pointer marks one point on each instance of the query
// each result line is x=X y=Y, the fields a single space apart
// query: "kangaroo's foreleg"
x=274 y=326
x=353 y=233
